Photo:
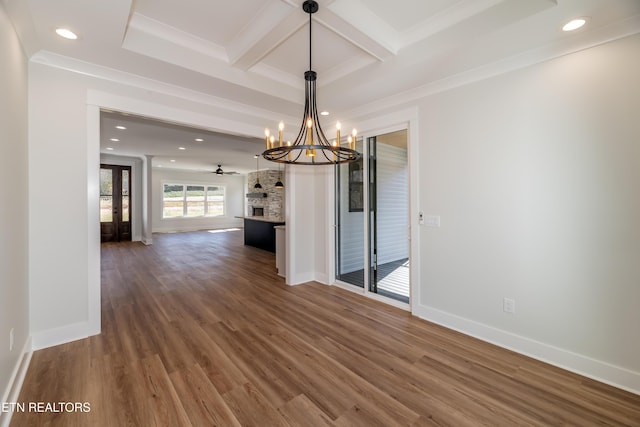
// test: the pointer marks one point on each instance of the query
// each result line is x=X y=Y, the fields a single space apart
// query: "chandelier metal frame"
x=307 y=149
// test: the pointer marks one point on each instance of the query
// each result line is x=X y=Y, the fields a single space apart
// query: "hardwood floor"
x=198 y=330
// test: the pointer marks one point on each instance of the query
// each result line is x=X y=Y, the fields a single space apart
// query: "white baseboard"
x=12 y=393
x=63 y=335
x=321 y=278
x=595 y=369
x=300 y=278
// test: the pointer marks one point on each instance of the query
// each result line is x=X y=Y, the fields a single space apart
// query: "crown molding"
x=144 y=83
x=143 y=25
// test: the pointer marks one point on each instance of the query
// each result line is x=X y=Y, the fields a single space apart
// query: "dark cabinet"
x=260 y=233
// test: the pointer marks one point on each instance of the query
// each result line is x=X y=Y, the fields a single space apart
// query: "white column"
x=300 y=217
x=147 y=210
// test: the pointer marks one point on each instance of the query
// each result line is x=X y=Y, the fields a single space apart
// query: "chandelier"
x=311 y=146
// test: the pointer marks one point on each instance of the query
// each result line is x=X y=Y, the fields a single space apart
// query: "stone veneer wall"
x=273 y=204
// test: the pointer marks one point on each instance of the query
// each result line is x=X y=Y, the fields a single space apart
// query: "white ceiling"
x=254 y=52
x=178 y=147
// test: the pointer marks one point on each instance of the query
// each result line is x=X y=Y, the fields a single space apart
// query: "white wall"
x=58 y=200
x=303 y=221
x=234 y=195
x=14 y=292
x=322 y=218
x=535 y=176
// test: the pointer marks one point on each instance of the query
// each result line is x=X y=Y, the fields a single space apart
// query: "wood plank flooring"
x=198 y=330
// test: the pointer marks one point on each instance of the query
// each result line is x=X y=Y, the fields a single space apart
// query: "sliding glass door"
x=349 y=220
x=373 y=249
x=389 y=216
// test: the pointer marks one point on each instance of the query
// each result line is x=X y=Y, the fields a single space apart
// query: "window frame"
x=205 y=202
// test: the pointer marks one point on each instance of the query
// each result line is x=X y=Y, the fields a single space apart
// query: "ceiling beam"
x=274 y=24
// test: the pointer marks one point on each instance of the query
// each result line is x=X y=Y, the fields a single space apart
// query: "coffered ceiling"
x=254 y=52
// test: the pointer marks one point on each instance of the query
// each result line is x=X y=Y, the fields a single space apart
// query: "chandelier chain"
x=311 y=139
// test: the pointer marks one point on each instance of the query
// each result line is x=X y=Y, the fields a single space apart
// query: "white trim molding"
x=63 y=335
x=16 y=380
x=93 y=223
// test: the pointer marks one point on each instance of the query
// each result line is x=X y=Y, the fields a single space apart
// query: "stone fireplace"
x=271 y=205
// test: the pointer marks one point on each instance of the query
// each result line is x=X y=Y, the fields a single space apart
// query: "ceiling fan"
x=219 y=171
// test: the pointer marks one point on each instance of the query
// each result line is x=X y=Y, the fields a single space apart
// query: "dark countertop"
x=265 y=218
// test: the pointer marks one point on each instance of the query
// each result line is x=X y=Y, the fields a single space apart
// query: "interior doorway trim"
x=97 y=100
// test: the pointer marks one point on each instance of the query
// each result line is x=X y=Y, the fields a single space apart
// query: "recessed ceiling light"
x=172 y=160
x=120 y=127
x=109 y=148
x=324 y=113
x=199 y=139
x=114 y=140
x=181 y=148
x=67 y=34
x=159 y=166
x=574 y=24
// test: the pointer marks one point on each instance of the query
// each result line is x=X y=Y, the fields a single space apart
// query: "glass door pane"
x=389 y=218
x=350 y=260
x=106 y=195
x=125 y=195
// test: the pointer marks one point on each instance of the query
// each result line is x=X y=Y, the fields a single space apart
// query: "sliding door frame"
x=404 y=119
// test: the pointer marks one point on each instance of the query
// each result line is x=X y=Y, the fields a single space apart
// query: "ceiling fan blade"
x=219 y=171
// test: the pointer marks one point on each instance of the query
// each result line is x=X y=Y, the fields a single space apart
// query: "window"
x=195 y=200
x=188 y=201
x=215 y=201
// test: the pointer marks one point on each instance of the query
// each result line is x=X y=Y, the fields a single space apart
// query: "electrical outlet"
x=509 y=305
x=11 y=340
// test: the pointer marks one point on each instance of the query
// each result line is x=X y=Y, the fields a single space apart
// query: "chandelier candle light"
x=308 y=149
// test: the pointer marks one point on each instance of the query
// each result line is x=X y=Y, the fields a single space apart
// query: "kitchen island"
x=259 y=232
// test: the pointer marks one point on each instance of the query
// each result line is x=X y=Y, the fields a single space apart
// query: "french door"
x=115 y=203
x=372 y=218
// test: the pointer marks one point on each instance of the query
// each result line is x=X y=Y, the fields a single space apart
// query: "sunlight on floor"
x=223 y=230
